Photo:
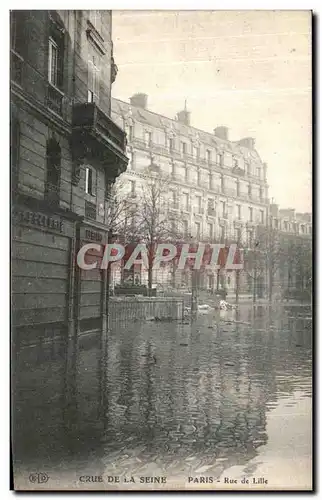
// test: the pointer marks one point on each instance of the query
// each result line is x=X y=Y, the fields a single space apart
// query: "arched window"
x=52 y=187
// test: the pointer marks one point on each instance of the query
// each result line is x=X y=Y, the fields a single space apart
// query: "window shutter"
x=94 y=181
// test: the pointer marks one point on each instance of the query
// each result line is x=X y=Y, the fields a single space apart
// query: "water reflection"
x=202 y=391
x=190 y=399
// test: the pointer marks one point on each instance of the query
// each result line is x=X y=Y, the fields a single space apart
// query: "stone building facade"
x=218 y=188
x=291 y=242
x=65 y=153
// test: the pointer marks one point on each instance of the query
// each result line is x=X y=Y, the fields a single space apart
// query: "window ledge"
x=56 y=88
x=95 y=38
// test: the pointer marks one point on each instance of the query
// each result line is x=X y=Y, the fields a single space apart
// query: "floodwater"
x=222 y=403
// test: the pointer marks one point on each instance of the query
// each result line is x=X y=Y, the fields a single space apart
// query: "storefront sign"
x=38 y=219
x=93 y=235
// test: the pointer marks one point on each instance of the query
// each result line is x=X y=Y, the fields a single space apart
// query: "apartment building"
x=291 y=242
x=65 y=153
x=218 y=187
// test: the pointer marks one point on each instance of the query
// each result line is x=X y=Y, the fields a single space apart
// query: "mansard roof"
x=155 y=120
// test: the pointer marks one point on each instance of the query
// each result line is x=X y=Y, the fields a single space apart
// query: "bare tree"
x=156 y=217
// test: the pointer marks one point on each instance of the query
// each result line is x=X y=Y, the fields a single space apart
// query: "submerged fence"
x=140 y=309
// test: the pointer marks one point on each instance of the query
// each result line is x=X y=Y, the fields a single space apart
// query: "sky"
x=247 y=70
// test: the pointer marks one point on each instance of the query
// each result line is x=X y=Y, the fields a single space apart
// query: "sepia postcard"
x=161 y=238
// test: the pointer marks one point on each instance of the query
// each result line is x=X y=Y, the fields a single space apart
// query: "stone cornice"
x=36 y=107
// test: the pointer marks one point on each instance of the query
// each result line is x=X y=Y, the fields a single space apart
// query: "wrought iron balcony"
x=90 y=117
x=16 y=67
x=55 y=99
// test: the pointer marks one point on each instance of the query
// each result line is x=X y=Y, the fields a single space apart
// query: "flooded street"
x=226 y=399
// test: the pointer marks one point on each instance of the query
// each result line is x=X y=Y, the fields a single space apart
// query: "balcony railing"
x=90 y=210
x=16 y=67
x=215 y=188
x=231 y=192
x=139 y=143
x=55 y=99
x=88 y=115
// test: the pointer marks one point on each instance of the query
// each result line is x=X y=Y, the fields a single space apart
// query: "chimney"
x=221 y=133
x=139 y=100
x=184 y=115
x=247 y=142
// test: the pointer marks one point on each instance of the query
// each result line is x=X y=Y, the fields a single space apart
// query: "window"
x=262 y=216
x=249 y=238
x=198 y=200
x=250 y=214
x=247 y=167
x=250 y=190
x=258 y=171
x=185 y=227
x=130 y=132
x=238 y=212
x=184 y=147
x=223 y=233
x=221 y=159
x=210 y=230
x=132 y=185
x=171 y=144
x=89 y=181
x=285 y=225
x=196 y=151
x=198 y=177
x=223 y=208
x=238 y=235
x=185 y=198
x=276 y=223
x=261 y=193
x=211 y=207
x=148 y=137
x=53 y=62
x=197 y=226
x=56 y=55
x=237 y=187
x=222 y=183
x=52 y=186
x=186 y=174
x=93 y=80
x=235 y=163
x=208 y=155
